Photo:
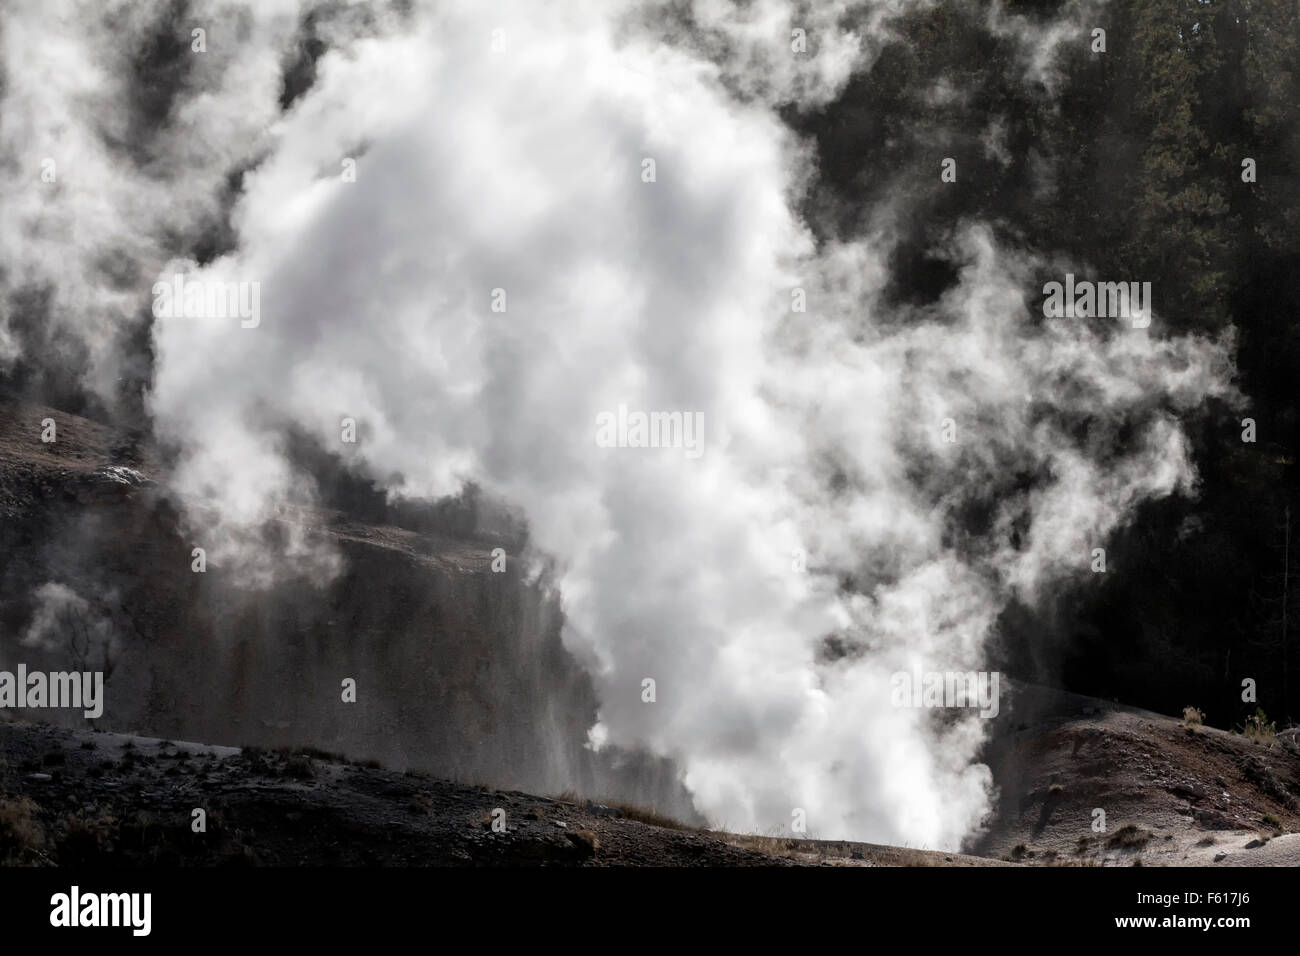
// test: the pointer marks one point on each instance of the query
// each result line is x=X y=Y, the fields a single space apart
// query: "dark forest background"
x=1142 y=147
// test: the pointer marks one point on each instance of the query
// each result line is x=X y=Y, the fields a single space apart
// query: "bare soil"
x=1171 y=794
x=124 y=800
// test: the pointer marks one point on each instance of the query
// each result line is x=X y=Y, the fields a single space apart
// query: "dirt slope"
x=83 y=798
x=100 y=798
x=1171 y=794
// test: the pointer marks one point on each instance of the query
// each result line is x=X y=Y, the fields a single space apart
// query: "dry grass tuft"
x=649 y=816
x=1260 y=729
x=1129 y=837
x=585 y=840
x=21 y=835
x=629 y=811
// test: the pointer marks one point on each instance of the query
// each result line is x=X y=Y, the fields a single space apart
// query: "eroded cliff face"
x=459 y=670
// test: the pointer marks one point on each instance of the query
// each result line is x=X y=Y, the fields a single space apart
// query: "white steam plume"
x=521 y=170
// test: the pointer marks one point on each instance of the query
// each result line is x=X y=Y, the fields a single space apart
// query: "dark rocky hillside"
x=459 y=671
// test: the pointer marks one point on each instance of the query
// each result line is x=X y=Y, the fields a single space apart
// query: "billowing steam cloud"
x=769 y=587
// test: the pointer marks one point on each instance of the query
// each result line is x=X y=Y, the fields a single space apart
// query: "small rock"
x=1188 y=791
x=1212 y=820
x=561 y=823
